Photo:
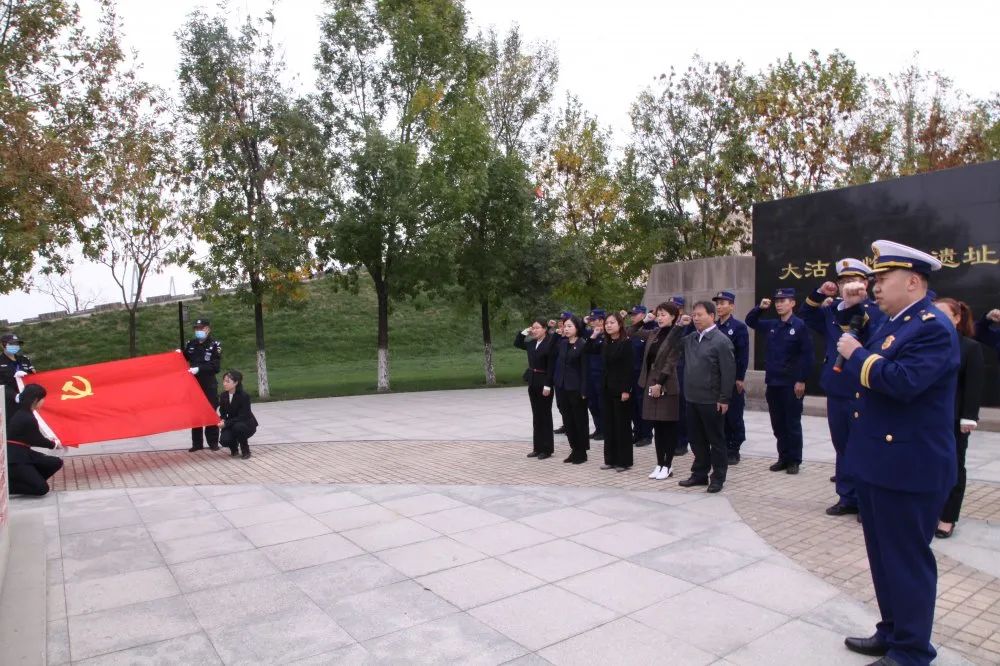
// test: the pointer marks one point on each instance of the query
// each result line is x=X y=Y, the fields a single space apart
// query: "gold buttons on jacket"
x=888 y=438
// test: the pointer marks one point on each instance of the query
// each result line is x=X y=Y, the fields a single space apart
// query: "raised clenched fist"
x=828 y=289
x=994 y=316
x=684 y=320
x=765 y=303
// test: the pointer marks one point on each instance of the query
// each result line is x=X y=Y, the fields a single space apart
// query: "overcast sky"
x=610 y=50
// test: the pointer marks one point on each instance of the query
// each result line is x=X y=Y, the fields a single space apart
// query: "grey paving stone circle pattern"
x=389 y=574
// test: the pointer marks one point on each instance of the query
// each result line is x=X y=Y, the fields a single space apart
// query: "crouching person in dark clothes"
x=238 y=423
x=28 y=470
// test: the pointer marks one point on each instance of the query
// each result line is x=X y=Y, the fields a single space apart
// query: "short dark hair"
x=578 y=323
x=31 y=394
x=669 y=307
x=709 y=306
x=541 y=322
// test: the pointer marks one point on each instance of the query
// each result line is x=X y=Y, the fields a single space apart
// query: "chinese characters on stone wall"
x=948 y=256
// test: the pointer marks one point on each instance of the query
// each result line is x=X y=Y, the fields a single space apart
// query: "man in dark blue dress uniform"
x=595 y=380
x=831 y=319
x=204 y=356
x=642 y=431
x=739 y=335
x=787 y=366
x=901 y=449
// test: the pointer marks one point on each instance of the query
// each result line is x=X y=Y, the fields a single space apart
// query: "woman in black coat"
x=238 y=423
x=617 y=352
x=541 y=348
x=29 y=471
x=967 y=398
x=571 y=382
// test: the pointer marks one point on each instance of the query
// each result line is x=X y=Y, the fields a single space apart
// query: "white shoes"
x=655 y=474
x=665 y=472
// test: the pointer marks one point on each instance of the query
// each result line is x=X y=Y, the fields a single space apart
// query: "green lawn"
x=324 y=346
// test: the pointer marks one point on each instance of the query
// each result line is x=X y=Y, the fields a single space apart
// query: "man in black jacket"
x=204 y=356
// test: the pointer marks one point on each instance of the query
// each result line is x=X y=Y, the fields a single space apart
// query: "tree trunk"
x=263 y=385
x=132 y=347
x=491 y=375
x=382 y=293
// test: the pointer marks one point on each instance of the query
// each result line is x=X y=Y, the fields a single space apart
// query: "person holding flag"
x=204 y=356
x=29 y=471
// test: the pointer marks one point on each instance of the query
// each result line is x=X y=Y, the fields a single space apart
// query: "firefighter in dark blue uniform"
x=831 y=320
x=642 y=431
x=787 y=365
x=204 y=356
x=901 y=449
x=13 y=365
x=739 y=335
x=988 y=330
x=595 y=379
x=682 y=439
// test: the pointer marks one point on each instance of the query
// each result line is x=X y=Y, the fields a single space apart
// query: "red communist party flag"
x=119 y=399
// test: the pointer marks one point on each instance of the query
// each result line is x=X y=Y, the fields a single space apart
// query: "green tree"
x=255 y=158
x=53 y=81
x=387 y=73
x=137 y=224
x=690 y=133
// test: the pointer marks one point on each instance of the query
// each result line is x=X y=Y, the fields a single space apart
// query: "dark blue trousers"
x=899 y=528
x=839 y=416
x=786 y=422
x=594 y=401
x=736 y=432
x=641 y=429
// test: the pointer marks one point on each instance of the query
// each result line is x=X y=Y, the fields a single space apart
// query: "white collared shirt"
x=702 y=334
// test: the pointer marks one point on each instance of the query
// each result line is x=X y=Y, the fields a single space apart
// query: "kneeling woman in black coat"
x=238 y=423
x=28 y=470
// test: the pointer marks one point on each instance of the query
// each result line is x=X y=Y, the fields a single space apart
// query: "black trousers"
x=541 y=420
x=211 y=432
x=235 y=435
x=617 y=417
x=31 y=478
x=953 y=505
x=665 y=438
x=707 y=432
x=574 y=412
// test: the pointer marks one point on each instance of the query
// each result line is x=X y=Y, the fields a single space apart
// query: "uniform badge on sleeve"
x=888 y=342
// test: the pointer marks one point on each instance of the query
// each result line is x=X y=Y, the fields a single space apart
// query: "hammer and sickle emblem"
x=72 y=392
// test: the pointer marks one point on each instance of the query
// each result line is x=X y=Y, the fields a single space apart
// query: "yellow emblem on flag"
x=888 y=342
x=72 y=392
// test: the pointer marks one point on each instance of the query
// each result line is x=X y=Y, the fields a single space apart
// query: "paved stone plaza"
x=410 y=528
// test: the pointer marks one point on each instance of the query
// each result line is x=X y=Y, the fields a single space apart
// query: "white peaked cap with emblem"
x=890 y=255
x=851 y=266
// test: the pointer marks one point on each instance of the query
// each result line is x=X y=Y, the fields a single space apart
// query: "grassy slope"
x=324 y=347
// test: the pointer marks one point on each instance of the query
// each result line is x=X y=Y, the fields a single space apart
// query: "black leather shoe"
x=733 y=459
x=213 y=448
x=533 y=454
x=245 y=455
x=680 y=451
x=778 y=466
x=792 y=469
x=839 y=509
x=691 y=481
x=644 y=442
x=561 y=430
x=833 y=479
x=870 y=646
x=944 y=534
x=195 y=448
x=569 y=460
x=543 y=456
x=579 y=461
x=234 y=452
x=597 y=434
x=714 y=487
x=884 y=661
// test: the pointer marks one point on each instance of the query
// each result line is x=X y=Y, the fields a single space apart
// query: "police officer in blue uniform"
x=642 y=430
x=595 y=380
x=787 y=365
x=901 y=449
x=831 y=320
x=13 y=365
x=739 y=335
x=204 y=356
x=682 y=438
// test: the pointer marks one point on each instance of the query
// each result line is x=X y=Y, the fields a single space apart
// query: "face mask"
x=13 y=350
x=200 y=335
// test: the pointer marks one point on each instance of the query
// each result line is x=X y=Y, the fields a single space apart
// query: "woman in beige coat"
x=661 y=390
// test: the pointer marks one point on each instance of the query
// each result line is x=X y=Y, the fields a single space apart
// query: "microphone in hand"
x=857 y=322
